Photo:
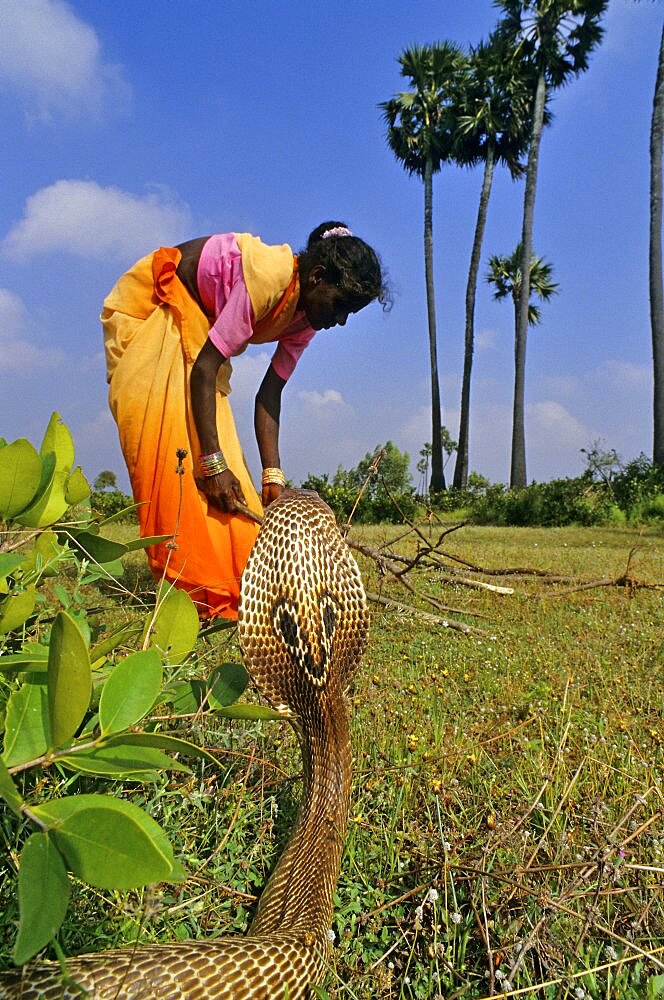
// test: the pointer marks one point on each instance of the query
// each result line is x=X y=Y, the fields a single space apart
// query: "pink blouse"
x=225 y=296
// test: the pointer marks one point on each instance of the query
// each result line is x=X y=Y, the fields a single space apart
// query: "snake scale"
x=302 y=626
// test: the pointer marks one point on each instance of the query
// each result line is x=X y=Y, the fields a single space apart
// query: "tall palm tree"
x=656 y=291
x=420 y=132
x=506 y=275
x=556 y=37
x=494 y=122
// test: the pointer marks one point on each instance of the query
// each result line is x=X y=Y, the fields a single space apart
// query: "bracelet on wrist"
x=212 y=465
x=273 y=477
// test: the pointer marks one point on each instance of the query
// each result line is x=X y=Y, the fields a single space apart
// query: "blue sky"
x=127 y=125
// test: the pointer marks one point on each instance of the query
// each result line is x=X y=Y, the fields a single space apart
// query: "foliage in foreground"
x=74 y=700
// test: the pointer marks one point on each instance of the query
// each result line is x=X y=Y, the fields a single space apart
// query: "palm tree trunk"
x=656 y=291
x=461 y=467
x=518 y=464
x=437 y=476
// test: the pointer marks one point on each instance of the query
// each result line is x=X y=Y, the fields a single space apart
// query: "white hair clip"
x=337 y=231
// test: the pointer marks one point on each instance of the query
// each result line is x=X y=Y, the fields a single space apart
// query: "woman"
x=171 y=324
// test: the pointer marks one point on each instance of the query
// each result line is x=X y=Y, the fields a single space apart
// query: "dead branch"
x=426 y=616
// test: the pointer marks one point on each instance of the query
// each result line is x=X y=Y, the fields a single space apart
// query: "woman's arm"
x=222 y=490
x=266 y=425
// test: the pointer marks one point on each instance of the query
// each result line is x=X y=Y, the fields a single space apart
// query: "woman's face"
x=325 y=304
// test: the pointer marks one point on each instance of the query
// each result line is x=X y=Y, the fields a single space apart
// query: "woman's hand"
x=223 y=490
x=270 y=492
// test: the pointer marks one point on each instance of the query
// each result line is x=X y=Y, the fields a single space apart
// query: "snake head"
x=303 y=619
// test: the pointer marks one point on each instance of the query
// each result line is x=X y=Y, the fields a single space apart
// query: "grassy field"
x=507 y=832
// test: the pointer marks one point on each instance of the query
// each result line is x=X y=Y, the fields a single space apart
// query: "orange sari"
x=153 y=331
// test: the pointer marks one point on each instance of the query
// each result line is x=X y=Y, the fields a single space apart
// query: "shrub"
x=109 y=503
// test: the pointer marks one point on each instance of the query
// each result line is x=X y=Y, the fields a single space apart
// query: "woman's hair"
x=350 y=263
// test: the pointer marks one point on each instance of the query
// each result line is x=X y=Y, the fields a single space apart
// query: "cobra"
x=303 y=626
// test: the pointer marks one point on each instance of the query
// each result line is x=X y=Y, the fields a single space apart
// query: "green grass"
x=506 y=828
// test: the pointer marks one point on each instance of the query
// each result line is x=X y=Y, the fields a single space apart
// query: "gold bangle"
x=273 y=477
x=212 y=465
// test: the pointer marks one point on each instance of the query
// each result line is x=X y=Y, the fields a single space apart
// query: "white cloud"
x=551 y=418
x=53 y=60
x=626 y=374
x=248 y=373
x=18 y=351
x=319 y=400
x=103 y=223
x=485 y=338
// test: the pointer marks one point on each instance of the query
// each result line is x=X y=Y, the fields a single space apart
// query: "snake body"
x=302 y=626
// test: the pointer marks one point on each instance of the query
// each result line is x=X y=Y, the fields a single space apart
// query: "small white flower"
x=500 y=975
x=507 y=986
x=579 y=992
x=432 y=895
x=419 y=913
x=447 y=847
x=456 y=917
x=611 y=953
x=331 y=936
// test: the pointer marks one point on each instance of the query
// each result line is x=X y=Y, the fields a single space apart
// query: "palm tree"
x=495 y=114
x=656 y=291
x=556 y=38
x=420 y=133
x=506 y=275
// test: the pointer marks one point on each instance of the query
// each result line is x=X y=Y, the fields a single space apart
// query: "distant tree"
x=393 y=470
x=655 y=259
x=449 y=447
x=421 y=126
x=556 y=38
x=506 y=277
x=494 y=124
x=423 y=467
x=106 y=480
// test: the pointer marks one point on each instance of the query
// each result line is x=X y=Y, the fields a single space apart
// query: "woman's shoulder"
x=267 y=271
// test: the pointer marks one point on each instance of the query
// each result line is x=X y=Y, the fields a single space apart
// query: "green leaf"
x=50 y=503
x=96 y=548
x=186 y=697
x=26 y=724
x=130 y=691
x=45 y=555
x=175 y=627
x=69 y=679
x=144 y=543
x=20 y=474
x=253 y=712
x=655 y=987
x=77 y=487
x=164 y=741
x=35 y=661
x=110 y=642
x=16 y=609
x=43 y=896
x=107 y=842
x=227 y=682
x=141 y=763
x=8 y=790
x=9 y=562
x=104 y=571
x=120 y=514
x=59 y=441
